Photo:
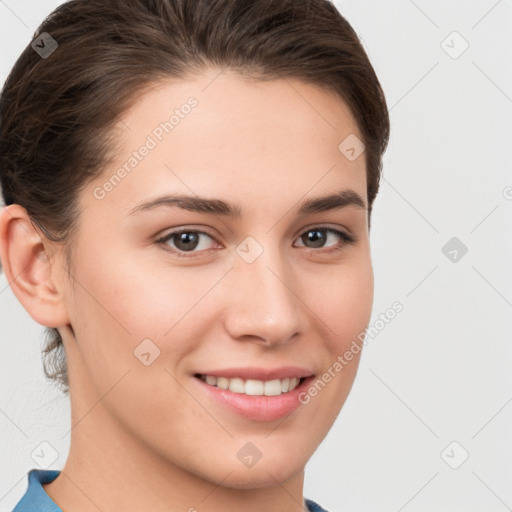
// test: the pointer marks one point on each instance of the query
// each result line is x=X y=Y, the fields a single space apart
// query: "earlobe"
x=28 y=267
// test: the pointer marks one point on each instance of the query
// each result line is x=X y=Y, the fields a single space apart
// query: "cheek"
x=344 y=306
x=133 y=297
x=119 y=304
x=344 y=303
x=121 y=324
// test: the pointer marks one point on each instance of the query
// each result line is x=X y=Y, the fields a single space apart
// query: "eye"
x=318 y=236
x=185 y=240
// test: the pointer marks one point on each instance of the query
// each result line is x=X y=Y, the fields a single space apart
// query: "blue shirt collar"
x=35 y=498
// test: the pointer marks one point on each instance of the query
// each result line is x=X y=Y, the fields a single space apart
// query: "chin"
x=266 y=476
x=279 y=467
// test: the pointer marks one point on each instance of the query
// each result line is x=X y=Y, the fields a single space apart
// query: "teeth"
x=253 y=387
x=272 y=388
x=236 y=385
x=211 y=380
x=222 y=383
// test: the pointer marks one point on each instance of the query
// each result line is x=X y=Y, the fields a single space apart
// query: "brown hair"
x=57 y=112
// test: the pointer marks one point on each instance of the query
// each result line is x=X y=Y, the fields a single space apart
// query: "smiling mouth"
x=252 y=387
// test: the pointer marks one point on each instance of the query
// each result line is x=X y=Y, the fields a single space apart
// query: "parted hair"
x=57 y=113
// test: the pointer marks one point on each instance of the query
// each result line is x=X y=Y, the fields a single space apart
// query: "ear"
x=28 y=267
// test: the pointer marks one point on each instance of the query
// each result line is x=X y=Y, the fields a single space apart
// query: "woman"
x=200 y=377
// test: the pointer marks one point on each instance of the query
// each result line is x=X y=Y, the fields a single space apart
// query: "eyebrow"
x=336 y=201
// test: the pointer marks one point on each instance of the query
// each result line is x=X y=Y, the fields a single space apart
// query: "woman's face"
x=257 y=287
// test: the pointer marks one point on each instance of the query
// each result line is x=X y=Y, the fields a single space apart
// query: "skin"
x=149 y=430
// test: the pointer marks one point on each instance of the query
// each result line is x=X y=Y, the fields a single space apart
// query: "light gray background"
x=440 y=371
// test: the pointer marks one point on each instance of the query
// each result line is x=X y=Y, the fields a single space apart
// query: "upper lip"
x=256 y=373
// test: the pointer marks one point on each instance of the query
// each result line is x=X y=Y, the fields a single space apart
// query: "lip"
x=256 y=373
x=256 y=408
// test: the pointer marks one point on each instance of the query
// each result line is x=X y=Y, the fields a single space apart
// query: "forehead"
x=217 y=128
x=226 y=99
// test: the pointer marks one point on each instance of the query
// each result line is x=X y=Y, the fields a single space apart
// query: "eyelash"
x=347 y=240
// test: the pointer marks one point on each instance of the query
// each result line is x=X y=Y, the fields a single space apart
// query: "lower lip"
x=258 y=408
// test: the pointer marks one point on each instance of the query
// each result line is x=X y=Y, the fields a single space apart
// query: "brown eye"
x=317 y=237
x=185 y=241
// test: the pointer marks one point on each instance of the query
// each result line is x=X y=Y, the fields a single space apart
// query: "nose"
x=263 y=303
